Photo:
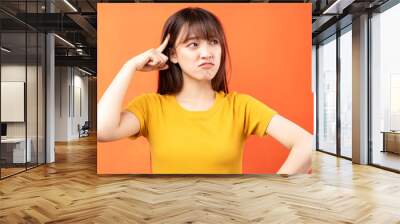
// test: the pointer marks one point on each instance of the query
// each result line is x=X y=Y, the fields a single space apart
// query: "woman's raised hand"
x=151 y=59
x=113 y=123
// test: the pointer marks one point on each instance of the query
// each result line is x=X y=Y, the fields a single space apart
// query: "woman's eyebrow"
x=191 y=38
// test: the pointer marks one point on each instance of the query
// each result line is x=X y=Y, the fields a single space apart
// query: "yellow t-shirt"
x=199 y=142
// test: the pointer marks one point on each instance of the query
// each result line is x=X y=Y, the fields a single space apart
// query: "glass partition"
x=14 y=153
x=22 y=88
x=31 y=100
x=327 y=95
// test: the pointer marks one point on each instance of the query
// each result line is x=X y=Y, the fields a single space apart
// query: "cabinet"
x=13 y=150
x=391 y=141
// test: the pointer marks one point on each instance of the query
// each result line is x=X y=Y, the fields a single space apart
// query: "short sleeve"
x=257 y=115
x=139 y=107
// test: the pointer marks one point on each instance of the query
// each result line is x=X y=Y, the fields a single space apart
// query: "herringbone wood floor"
x=70 y=191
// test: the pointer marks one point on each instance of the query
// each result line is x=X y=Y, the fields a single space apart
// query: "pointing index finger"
x=164 y=44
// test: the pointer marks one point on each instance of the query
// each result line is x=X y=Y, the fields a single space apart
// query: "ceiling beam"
x=337 y=7
x=84 y=24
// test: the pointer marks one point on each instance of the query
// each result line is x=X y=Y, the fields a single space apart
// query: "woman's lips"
x=206 y=65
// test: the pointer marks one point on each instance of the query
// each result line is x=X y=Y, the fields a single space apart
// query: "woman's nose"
x=205 y=52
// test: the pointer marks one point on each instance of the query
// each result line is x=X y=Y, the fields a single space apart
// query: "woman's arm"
x=295 y=138
x=113 y=123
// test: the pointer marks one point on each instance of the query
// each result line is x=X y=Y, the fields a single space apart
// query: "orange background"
x=270 y=48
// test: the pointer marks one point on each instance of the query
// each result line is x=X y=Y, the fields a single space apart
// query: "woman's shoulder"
x=248 y=102
x=149 y=98
x=152 y=96
x=237 y=96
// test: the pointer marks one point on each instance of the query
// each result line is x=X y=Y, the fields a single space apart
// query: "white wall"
x=14 y=72
x=80 y=84
x=61 y=103
x=71 y=87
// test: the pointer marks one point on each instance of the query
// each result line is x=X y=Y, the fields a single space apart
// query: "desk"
x=17 y=150
x=391 y=141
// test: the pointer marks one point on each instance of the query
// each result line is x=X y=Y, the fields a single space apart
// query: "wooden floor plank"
x=70 y=191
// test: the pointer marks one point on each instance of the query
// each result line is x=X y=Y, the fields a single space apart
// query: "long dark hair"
x=204 y=25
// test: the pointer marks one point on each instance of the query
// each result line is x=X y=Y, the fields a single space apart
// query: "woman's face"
x=198 y=58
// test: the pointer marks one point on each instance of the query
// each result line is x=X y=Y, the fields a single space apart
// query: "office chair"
x=84 y=130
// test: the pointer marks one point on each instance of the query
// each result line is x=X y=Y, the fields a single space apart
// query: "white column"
x=50 y=92
x=50 y=99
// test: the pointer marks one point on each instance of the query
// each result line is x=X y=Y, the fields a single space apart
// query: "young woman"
x=193 y=123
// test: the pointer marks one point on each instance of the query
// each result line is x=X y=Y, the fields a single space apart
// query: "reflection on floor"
x=10 y=169
x=386 y=159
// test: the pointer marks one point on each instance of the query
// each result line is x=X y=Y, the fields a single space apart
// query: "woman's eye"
x=215 y=41
x=193 y=44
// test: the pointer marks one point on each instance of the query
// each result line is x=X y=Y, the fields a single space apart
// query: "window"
x=327 y=95
x=385 y=88
x=346 y=92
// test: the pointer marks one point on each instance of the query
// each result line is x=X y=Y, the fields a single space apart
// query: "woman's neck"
x=199 y=94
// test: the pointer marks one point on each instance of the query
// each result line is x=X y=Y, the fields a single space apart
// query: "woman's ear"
x=173 y=57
